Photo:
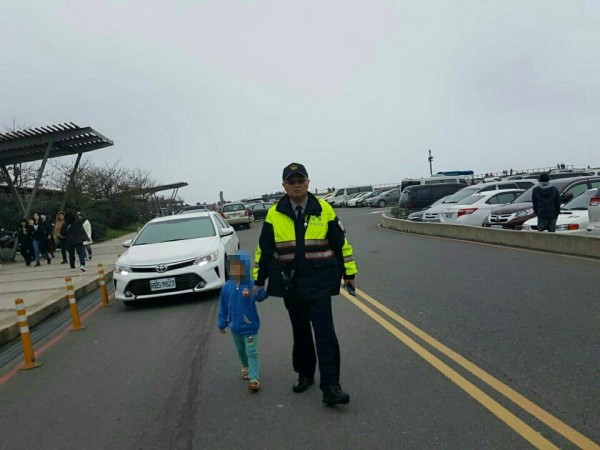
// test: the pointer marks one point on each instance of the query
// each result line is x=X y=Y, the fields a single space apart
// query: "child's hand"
x=260 y=294
x=222 y=330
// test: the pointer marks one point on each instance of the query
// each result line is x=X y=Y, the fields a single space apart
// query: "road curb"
x=51 y=307
x=585 y=246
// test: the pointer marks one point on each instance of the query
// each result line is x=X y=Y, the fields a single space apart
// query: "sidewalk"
x=43 y=288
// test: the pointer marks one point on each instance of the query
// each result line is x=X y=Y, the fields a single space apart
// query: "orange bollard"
x=73 y=305
x=102 y=283
x=30 y=362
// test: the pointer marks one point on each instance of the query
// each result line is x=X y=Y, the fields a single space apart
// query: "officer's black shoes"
x=333 y=395
x=303 y=384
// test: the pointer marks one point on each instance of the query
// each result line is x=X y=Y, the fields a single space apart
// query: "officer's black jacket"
x=312 y=278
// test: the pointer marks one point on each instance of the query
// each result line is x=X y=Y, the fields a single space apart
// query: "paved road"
x=161 y=376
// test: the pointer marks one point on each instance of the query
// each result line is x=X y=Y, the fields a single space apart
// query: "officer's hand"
x=255 y=290
x=351 y=283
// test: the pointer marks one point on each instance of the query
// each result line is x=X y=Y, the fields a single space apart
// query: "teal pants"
x=247 y=348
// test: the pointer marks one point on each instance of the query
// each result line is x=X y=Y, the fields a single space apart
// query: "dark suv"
x=422 y=196
x=521 y=209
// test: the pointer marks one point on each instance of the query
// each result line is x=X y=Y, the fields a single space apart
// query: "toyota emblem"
x=161 y=268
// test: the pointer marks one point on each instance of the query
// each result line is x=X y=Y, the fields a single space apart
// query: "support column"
x=13 y=188
x=37 y=180
x=70 y=185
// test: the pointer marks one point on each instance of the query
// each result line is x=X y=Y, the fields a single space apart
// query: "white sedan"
x=594 y=213
x=175 y=255
x=573 y=216
x=474 y=209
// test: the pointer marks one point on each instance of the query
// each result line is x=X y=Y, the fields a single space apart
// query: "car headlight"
x=206 y=259
x=123 y=270
x=525 y=212
x=567 y=227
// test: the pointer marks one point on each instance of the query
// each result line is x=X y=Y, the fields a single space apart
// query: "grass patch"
x=111 y=233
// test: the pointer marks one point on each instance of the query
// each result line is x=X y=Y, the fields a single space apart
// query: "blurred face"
x=296 y=186
x=36 y=217
x=61 y=216
x=236 y=269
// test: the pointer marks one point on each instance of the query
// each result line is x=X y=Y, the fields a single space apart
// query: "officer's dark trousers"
x=318 y=312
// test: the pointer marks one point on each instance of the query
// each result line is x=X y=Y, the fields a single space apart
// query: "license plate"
x=448 y=215
x=498 y=227
x=162 y=284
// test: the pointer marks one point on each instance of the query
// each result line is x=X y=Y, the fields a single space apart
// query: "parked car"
x=573 y=216
x=338 y=194
x=420 y=197
x=594 y=213
x=175 y=255
x=386 y=198
x=363 y=200
x=350 y=197
x=474 y=209
x=418 y=216
x=259 y=210
x=433 y=213
x=236 y=214
x=192 y=208
x=353 y=202
x=513 y=216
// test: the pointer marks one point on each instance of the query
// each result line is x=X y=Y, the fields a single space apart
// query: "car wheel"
x=381 y=203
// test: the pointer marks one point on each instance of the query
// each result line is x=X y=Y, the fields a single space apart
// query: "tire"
x=381 y=203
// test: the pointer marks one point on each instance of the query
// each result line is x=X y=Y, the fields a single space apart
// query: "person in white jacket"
x=87 y=226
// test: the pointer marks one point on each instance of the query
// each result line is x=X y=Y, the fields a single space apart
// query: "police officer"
x=303 y=252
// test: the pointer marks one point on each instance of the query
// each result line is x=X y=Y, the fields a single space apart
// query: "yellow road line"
x=556 y=424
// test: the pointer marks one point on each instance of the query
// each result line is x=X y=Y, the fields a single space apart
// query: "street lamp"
x=430 y=159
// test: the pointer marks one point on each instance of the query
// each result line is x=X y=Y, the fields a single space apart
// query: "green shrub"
x=98 y=231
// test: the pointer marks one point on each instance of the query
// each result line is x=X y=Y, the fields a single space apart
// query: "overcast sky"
x=223 y=94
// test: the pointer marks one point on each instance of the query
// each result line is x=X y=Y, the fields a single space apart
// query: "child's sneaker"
x=254 y=385
x=245 y=373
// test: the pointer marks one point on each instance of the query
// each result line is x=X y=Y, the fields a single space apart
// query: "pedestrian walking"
x=304 y=254
x=59 y=235
x=237 y=310
x=25 y=239
x=45 y=249
x=75 y=237
x=40 y=238
x=87 y=226
x=546 y=204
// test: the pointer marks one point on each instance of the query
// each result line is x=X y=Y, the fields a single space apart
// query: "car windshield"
x=581 y=202
x=233 y=207
x=463 y=193
x=176 y=230
x=472 y=199
x=525 y=196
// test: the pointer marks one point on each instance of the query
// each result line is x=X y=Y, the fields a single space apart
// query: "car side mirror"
x=128 y=243
x=226 y=232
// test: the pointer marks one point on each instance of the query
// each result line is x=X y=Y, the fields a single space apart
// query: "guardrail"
x=548 y=242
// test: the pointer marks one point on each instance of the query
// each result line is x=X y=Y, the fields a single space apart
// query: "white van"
x=433 y=180
x=341 y=193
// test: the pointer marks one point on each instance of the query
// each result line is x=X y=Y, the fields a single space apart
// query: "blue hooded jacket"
x=237 y=305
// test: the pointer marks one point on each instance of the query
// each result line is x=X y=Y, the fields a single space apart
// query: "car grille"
x=499 y=218
x=169 y=267
x=182 y=283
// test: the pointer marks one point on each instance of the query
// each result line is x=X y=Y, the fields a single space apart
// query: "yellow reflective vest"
x=306 y=257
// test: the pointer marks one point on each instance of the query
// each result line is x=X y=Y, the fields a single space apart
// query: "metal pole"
x=37 y=180
x=430 y=159
x=70 y=185
x=12 y=187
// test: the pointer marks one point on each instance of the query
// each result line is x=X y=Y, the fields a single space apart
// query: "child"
x=237 y=310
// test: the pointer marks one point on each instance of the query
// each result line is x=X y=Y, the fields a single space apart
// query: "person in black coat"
x=75 y=236
x=546 y=204
x=25 y=238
